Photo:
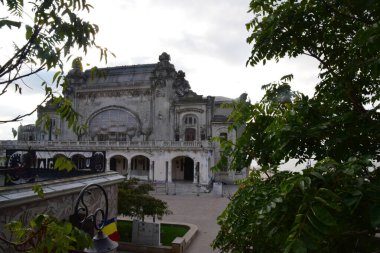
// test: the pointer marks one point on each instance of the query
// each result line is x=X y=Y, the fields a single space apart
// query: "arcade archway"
x=183 y=168
x=140 y=166
x=119 y=163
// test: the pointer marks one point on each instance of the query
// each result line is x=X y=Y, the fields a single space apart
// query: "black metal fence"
x=28 y=166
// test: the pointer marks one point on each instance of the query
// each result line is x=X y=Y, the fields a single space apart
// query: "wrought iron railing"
x=16 y=176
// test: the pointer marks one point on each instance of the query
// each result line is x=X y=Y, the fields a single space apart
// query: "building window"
x=223 y=136
x=189 y=134
x=114 y=125
x=190 y=120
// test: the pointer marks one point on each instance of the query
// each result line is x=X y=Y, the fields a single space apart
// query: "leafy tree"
x=53 y=31
x=45 y=234
x=134 y=201
x=333 y=206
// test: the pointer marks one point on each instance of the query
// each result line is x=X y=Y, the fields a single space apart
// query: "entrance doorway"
x=183 y=168
x=119 y=163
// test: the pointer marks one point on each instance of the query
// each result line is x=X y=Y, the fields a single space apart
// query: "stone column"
x=195 y=172
x=169 y=171
x=107 y=162
x=129 y=171
x=151 y=171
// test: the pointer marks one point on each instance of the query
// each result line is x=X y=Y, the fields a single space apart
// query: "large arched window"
x=114 y=124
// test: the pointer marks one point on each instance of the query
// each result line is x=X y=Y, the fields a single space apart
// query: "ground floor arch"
x=140 y=166
x=80 y=161
x=183 y=168
x=119 y=163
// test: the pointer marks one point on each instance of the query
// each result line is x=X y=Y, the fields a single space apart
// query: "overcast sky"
x=205 y=38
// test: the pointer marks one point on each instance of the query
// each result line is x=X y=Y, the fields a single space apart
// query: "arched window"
x=190 y=127
x=114 y=124
x=190 y=120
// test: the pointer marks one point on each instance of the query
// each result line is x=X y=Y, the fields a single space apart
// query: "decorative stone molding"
x=113 y=93
x=160 y=93
x=181 y=85
x=190 y=110
x=163 y=70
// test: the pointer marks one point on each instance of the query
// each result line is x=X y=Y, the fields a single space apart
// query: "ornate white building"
x=145 y=119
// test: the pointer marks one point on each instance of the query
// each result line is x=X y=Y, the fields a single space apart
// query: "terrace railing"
x=16 y=176
x=110 y=144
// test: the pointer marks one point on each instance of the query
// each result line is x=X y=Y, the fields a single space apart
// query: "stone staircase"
x=178 y=188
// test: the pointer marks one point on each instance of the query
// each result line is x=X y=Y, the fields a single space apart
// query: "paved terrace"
x=201 y=211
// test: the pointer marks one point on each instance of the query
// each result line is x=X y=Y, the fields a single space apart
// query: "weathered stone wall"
x=60 y=197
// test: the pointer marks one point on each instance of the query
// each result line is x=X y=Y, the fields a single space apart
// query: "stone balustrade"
x=106 y=144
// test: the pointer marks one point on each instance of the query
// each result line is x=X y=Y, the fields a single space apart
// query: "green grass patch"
x=168 y=232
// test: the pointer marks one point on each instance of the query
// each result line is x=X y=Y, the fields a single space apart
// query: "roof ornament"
x=163 y=70
x=164 y=63
x=181 y=85
x=164 y=57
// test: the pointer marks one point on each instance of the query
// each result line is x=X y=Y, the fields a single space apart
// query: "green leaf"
x=9 y=23
x=323 y=215
x=299 y=247
x=29 y=32
x=39 y=220
x=374 y=214
x=56 y=75
x=312 y=233
x=67 y=228
x=317 y=175
x=302 y=185
x=319 y=226
x=353 y=199
x=329 y=198
x=37 y=188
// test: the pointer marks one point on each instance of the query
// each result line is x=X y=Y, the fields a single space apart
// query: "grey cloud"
x=224 y=26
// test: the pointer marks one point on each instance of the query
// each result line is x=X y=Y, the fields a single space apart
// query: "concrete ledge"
x=189 y=236
x=20 y=194
x=138 y=248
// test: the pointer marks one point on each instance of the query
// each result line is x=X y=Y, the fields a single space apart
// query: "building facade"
x=146 y=119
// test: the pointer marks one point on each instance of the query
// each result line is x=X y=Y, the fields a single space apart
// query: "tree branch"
x=8 y=82
x=19 y=117
x=20 y=55
x=363 y=20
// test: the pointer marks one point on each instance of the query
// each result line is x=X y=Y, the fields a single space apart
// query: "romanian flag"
x=110 y=229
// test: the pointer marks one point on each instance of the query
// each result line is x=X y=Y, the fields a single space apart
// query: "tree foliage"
x=332 y=206
x=54 y=31
x=45 y=234
x=134 y=201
